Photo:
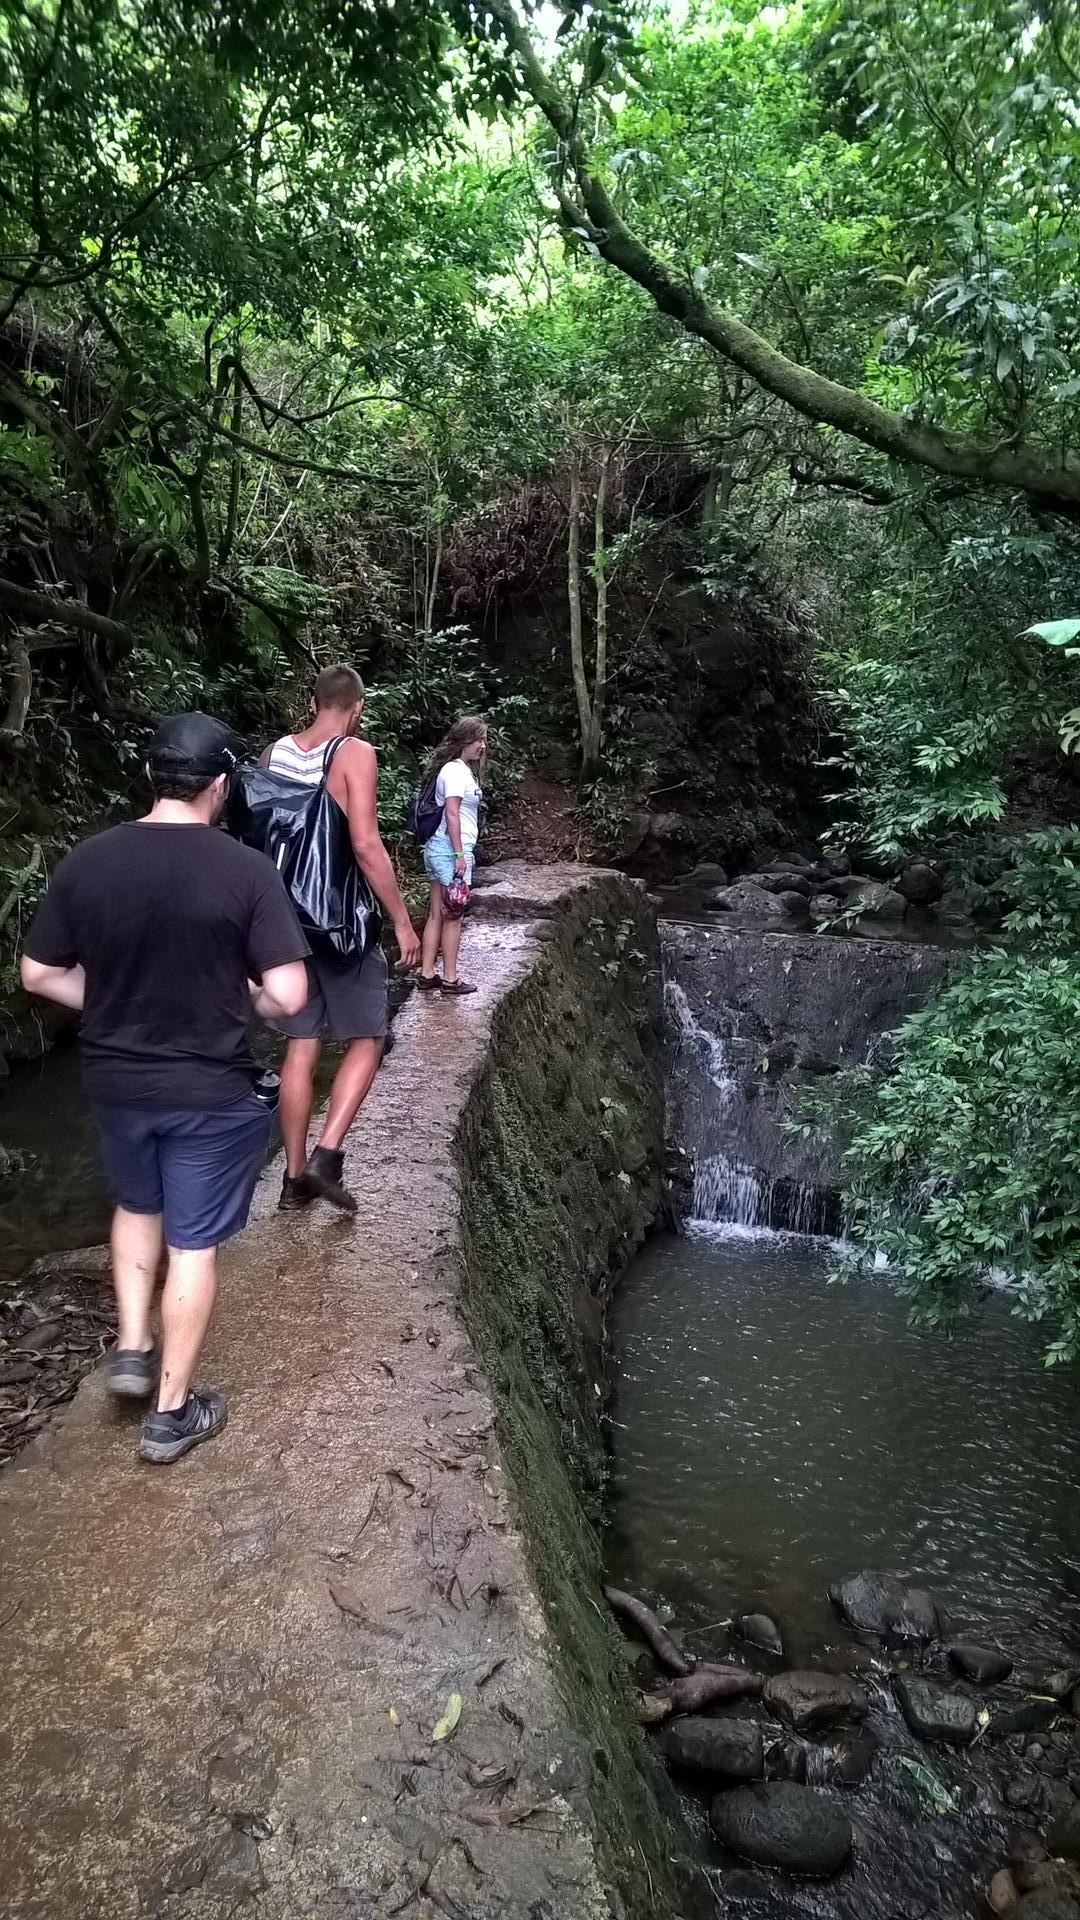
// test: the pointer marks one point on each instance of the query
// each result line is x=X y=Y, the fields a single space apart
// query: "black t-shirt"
x=169 y=923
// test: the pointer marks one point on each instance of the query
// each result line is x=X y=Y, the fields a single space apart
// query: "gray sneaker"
x=129 y=1374
x=165 y=1436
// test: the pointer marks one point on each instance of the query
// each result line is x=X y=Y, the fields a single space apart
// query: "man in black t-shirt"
x=167 y=936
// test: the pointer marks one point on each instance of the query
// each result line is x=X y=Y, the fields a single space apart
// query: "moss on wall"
x=560 y=1150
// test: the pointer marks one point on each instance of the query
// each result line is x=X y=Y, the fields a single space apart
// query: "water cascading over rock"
x=749 y=1017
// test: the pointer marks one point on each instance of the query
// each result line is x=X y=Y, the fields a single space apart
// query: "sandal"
x=456 y=986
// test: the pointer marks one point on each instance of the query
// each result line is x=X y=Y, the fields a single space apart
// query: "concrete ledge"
x=223 y=1680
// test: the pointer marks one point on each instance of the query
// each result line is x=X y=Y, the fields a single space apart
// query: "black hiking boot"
x=130 y=1374
x=295 y=1193
x=165 y=1436
x=323 y=1174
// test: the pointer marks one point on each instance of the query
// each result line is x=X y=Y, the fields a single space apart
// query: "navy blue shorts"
x=197 y=1169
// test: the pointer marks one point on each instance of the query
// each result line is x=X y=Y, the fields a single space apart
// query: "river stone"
x=1027 y=1716
x=808 y=1700
x=875 y=901
x=1045 y=1905
x=921 y=884
x=733 y=1749
x=761 y=1630
x=1059 y=1685
x=779 y=880
x=1049 y=1876
x=1063 y=1833
x=934 y=1713
x=872 y=1603
x=752 y=903
x=826 y=906
x=783 y=1825
x=984 y=1665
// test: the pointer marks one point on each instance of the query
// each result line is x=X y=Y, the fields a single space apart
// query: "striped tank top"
x=299 y=763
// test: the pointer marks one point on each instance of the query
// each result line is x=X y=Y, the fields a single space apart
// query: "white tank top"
x=299 y=763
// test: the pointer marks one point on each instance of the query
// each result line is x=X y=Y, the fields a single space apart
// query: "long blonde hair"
x=464 y=733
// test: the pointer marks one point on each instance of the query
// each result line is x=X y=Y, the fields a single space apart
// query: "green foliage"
x=935 y=695
x=959 y=1162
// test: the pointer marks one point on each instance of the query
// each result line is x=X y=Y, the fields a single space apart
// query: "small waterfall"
x=749 y=1018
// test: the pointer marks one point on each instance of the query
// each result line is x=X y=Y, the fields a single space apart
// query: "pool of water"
x=59 y=1200
x=775 y=1432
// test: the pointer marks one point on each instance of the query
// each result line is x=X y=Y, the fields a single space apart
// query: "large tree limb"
x=1034 y=470
x=42 y=607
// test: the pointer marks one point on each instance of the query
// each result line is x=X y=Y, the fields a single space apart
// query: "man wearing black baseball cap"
x=166 y=936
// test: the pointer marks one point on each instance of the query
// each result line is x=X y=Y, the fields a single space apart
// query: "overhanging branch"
x=1036 y=470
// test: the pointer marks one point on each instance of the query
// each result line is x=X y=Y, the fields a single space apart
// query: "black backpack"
x=306 y=835
x=423 y=813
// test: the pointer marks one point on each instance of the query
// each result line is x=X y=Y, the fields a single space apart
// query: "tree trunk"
x=591 y=759
x=573 y=584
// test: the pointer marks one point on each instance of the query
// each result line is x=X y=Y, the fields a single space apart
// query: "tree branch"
x=42 y=607
x=1035 y=471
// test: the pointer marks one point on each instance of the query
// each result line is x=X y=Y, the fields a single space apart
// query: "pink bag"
x=456 y=898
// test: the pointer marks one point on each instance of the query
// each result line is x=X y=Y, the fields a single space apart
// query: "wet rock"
x=934 y=1712
x=780 y=880
x=1063 y=1833
x=921 y=884
x=837 y=863
x=1027 y=1716
x=1044 y=1905
x=875 y=901
x=233 y=1866
x=1053 y=1876
x=984 y=1665
x=707 y=874
x=1001 y=1894
x=808 y=1700
x=789 y=1760
x=783 y=1825
x=852 y=1764
x=761 y=1630
x=1023 y=1793
x=825 y=906
x=795 y=904
x=1059 y=1685
x=731 y=1749
x=873 y=1603
x=749 y=902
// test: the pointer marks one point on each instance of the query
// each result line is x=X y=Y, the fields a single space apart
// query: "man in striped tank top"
x=347 y=997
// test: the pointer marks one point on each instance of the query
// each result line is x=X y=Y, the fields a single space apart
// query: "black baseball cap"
x=196 y=743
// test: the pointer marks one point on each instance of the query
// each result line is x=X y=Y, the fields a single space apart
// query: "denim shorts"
x=439 y=860
x=197 y=1168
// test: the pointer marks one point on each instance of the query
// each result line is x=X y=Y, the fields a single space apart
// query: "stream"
x=774 y=1434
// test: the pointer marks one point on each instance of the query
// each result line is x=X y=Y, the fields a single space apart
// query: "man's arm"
x=65 y=985
x=360 y=770
x=282 y=992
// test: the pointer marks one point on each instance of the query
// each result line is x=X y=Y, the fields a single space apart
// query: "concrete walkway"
x=222 y=1680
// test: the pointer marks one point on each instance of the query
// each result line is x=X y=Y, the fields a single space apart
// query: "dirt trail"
x=224 y=1682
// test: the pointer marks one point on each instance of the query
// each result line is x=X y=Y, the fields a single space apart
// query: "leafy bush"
x=961 y=1163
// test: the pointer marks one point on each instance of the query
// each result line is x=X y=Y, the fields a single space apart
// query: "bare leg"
x=186 y=1306
x=429 y=940
x=137 y=1244
x=351 y=1083
x=295 y=1101
x=450 y=941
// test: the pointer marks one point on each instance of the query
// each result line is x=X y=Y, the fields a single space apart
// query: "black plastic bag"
x=306 y=835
